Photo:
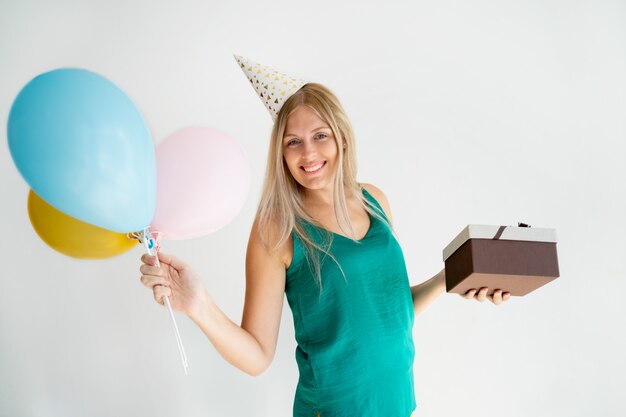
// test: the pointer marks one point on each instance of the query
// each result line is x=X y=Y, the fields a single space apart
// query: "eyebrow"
x=314 y=130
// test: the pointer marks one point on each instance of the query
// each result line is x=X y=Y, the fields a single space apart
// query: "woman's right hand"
x=175 y=280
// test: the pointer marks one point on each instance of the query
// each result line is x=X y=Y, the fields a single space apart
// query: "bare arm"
x=426 y=292
x=249 y=347
x=239 y=347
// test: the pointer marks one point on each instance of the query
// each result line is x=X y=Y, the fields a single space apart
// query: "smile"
x=313 y=168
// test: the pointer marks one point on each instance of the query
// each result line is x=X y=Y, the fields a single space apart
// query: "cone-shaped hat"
x=272 y=86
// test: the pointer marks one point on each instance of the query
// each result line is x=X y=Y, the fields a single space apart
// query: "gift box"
x=516 y=259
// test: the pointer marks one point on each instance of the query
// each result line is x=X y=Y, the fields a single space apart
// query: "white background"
x=488 y=112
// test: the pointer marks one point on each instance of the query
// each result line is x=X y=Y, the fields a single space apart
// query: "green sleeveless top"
x=355 y=342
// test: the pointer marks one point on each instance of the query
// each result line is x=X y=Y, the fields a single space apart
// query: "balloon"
x=82 y=146
x=72 y=237
x=203 y=180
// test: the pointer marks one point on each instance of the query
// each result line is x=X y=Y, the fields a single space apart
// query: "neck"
x=323 y=198
x=319 y=198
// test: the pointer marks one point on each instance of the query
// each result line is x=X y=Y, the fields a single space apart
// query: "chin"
x=315 y=185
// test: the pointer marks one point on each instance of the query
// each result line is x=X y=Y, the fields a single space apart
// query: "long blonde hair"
x=281 y=208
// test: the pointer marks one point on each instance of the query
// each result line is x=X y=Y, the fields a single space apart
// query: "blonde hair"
x=281 y=209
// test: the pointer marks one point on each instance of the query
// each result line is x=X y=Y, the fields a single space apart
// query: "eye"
x=293 y=142
x=320 y=136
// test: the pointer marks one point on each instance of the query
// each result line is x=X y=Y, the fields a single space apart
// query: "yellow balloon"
x=71 y=236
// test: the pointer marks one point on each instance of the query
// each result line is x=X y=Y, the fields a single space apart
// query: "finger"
x=150 y=270
x=150 y=281
x=469 y=294
x=148 y=259
x=496 y=297
x=161 y=291
x=482 y=294
x=506 y=296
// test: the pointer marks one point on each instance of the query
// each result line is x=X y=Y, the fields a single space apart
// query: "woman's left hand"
x=498 y=296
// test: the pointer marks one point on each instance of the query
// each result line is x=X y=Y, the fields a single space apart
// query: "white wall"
x=486 y=112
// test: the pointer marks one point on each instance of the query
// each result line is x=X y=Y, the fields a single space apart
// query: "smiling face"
x=310 y=150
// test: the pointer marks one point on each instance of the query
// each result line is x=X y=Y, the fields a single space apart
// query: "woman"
x=325 y=241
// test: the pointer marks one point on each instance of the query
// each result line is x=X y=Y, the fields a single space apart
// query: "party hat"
x=272 y=86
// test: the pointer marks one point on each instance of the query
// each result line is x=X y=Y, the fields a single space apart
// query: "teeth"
x=314 y=168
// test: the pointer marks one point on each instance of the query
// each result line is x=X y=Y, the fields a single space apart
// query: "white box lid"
x=481 y=231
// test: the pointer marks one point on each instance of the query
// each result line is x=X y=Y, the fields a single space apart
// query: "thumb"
x=171 y=260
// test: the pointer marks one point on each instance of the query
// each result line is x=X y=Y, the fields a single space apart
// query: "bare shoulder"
x=378 y=194
x=284 y=253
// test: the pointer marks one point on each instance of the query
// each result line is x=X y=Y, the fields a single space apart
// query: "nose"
x=308 y=149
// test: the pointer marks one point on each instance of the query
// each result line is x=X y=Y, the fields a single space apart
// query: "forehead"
x=303 y=120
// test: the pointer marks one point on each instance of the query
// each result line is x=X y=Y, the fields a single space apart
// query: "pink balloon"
x=203 y=181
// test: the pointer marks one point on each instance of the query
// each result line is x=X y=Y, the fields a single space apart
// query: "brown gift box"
x=514 y=259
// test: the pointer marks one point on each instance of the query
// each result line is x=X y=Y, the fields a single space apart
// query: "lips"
x=313 y=168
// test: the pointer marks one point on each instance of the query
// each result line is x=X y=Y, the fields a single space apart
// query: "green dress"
x=355 y=342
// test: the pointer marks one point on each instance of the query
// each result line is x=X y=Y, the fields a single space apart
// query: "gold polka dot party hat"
x=272 y=86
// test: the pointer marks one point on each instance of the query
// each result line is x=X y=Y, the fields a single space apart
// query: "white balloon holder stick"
x=151 y=247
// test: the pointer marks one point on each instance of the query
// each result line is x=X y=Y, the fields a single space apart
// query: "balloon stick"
x=152 y=248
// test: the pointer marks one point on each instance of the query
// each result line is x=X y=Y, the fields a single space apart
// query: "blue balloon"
x=83 y=146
